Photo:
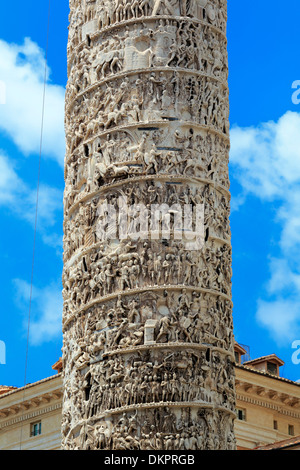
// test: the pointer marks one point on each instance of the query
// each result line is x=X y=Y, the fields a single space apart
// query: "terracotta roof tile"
x=266 y=374
x=6 y=389
x=281 y=444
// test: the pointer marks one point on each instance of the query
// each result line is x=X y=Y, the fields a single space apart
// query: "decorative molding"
x=265 y=404
x=30 y=416
x=147 y=288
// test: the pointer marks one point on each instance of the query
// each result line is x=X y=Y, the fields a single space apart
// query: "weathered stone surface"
x=148 y=343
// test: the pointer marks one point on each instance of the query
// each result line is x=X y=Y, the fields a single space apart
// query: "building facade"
x=30 y=417
x=147 y=322
x=268 y=406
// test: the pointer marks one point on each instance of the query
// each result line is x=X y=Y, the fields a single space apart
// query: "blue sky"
x=264 y=172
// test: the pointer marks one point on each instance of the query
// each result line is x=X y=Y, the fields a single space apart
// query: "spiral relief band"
x=148 y=335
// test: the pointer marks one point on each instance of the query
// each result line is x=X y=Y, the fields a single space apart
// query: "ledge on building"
x=4 y=389
x=287 y=444
x=58 y=366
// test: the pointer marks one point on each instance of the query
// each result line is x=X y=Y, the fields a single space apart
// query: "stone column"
x=148 y=343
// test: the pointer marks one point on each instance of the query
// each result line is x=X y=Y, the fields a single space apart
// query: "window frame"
x=243 y=414
x=34 y=432
x=291 y=430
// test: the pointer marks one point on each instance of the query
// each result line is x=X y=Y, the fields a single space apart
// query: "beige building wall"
x=23 y=409
x=268 y=408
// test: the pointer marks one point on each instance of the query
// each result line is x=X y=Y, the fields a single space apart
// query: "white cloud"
x=46 y=311
x=10 y=184
x=289 y=216
x=265 y=160
x=282 y=277
x=21 y=200
x=22 y=71
x=281 y=318
x=49 y=202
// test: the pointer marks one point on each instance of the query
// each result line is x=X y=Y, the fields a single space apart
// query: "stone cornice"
x=266 y=394
x=265 y=374
x=26 y=416
x=32 y=400
x=16 y=390
x=281 y=409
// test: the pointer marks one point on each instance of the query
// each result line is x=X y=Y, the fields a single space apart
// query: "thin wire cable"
x=36 y=218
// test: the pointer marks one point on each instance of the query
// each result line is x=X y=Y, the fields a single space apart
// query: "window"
x=275 y=425
x=291 y=430
x=241 y=414
x=36 y=429
x=272 y=368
